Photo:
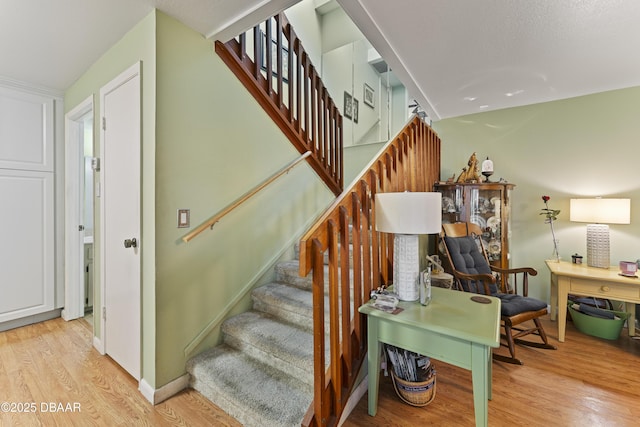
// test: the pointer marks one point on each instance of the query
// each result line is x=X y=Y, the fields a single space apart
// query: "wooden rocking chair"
x=468 y=262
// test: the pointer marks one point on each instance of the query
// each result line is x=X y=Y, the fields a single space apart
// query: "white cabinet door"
x=26 y=131
x=26 y=243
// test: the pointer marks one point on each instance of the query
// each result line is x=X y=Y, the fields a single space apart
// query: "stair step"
x=326 y=254
x=280 y=345
x=252 y=392
x=287 y=272
x=289 y=303
x=271 y=345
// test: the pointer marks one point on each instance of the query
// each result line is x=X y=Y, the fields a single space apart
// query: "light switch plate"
x=183 y=218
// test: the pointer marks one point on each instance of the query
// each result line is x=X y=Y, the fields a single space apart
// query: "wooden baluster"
x=317 y=261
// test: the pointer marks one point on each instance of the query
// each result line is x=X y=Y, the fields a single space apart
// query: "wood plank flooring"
x=52 y=376
x=587 y=381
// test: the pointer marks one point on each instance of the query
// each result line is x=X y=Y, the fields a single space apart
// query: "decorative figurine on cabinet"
x=470 y=173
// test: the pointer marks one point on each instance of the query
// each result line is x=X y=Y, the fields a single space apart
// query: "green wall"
x=214 y=143
x=579 y=147
x=137 y=45
x=206 y=142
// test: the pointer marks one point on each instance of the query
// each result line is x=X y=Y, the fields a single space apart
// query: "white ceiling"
x=51 y=43
x=455 y=56
x=468 y=56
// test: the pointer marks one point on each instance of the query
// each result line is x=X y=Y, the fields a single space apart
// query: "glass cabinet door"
x=484 y=204
x=452 y=204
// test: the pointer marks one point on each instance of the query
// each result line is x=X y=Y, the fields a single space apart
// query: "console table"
x=452 y=328
x=579 y=279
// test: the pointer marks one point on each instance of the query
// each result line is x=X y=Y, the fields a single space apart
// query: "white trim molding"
x=163 y=393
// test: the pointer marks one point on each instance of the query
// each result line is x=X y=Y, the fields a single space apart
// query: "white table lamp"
x=599 y=213
x=407 y=215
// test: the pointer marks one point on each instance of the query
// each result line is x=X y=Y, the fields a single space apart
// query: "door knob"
x=128 y=243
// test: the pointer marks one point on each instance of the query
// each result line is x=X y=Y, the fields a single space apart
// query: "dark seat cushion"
x=515 y=304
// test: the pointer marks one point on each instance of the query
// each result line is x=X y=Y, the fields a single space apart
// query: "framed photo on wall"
x=274 y=58
x=369 y=96
x=348 y=105
x=354 y=110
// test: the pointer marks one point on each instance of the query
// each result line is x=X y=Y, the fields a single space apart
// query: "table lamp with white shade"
x=408 y=215
x=599 y=213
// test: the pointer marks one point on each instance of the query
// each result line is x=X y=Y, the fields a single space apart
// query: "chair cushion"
x=516 y=304
x=467 y=258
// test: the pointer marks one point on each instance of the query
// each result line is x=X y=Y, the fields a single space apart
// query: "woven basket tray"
x=415 y=393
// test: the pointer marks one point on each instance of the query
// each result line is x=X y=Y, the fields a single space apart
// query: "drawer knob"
x=605 y=289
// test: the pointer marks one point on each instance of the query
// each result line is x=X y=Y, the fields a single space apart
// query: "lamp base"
x=406 y=266
x=598 y=245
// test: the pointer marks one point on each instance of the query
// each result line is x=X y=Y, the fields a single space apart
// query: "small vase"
x=556 y=252
x=425 y=286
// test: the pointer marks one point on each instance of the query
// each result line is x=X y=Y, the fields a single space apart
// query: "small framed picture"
x=274 y=58
x=348 y=105
x=369 y=96
x=354 y=110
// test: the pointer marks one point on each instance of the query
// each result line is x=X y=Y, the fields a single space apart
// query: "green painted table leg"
x=373 y=357
x=481 y=375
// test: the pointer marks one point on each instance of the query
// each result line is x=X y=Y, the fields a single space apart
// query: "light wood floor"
x=586 y=382
x=54 y=362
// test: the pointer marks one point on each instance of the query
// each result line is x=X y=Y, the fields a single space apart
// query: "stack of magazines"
x=408 y=365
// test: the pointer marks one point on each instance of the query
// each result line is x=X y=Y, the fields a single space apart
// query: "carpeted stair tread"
x=278 y=344
x=250 y=391
x=293 y=298
x=287 y=302
x=262 y=374
x=326 y=254
x=287 y=272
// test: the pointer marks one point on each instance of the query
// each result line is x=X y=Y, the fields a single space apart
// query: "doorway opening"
x=79 y=202
x=86 y=200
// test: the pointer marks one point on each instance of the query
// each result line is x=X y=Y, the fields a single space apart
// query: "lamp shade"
x=600 y=211
x=409 y=212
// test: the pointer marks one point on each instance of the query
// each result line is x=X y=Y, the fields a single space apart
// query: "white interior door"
x=120 y=193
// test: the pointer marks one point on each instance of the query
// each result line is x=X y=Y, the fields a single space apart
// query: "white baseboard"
x=172 y=388
x=97 y=344
x=355 y=397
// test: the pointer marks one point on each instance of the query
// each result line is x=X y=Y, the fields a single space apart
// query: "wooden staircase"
x=285 y=83
x=346 y=234
x=304 y=336
x=262 y=374
x=287 y=86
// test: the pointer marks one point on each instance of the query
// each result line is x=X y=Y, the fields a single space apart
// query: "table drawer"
x=606 y=290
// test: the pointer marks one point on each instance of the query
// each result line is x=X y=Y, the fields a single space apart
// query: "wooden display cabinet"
x=488 y=206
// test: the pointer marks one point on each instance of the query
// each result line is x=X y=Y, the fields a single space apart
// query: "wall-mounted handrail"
x=217 y=217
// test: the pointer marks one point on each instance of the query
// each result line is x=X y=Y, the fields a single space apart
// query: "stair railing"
x=410 y=162
x=208 y=224
x=272 y=64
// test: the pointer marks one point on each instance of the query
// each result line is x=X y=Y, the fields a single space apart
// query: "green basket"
x=598 y=327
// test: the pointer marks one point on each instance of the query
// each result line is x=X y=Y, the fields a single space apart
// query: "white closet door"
x=26 y=131
x=26 y=243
